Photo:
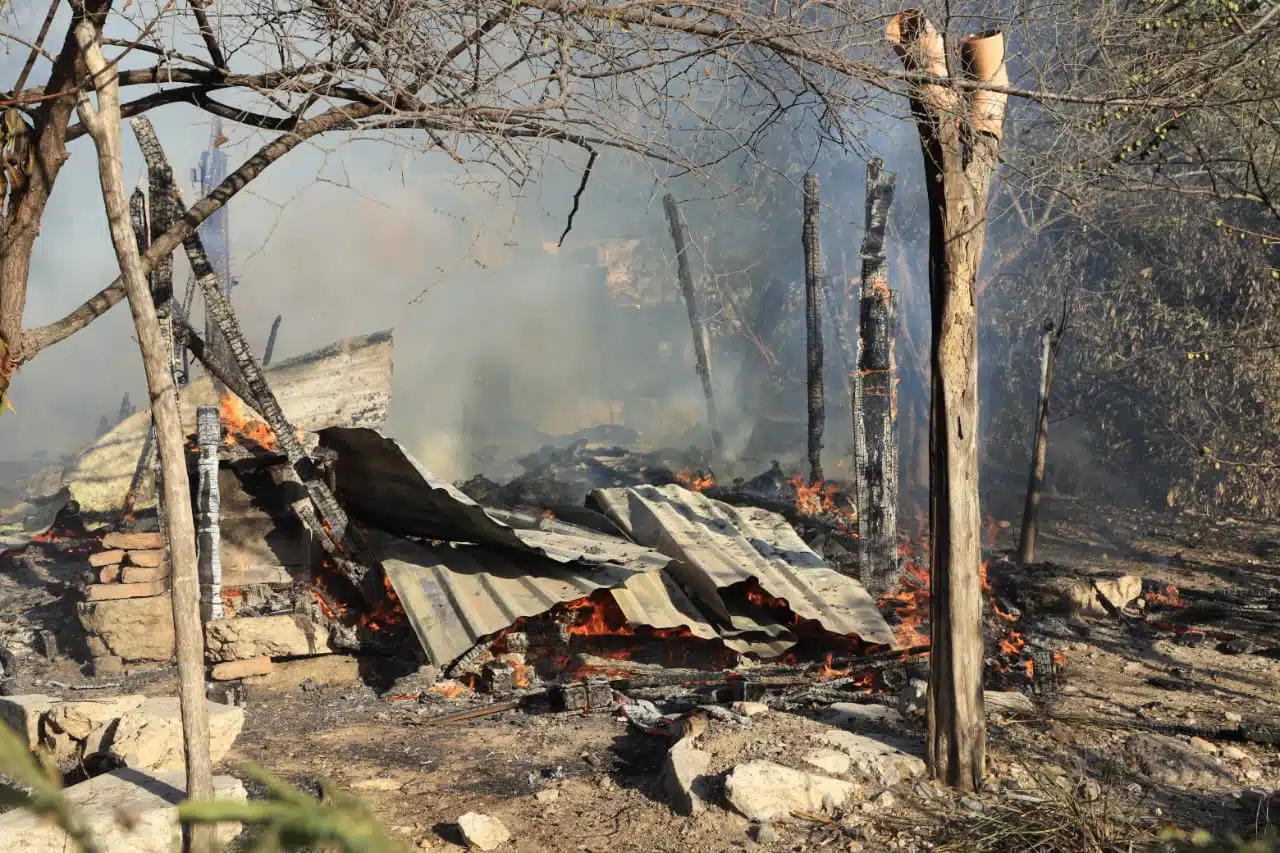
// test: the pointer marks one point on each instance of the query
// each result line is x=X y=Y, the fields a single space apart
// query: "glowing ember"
x=449 y=689
x=695 y=481
x=1168 y=597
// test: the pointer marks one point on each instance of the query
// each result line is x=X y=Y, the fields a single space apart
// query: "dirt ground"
x=1057 y=780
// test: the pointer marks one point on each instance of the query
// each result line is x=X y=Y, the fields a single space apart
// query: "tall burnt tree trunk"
x=103 y=125
x=960 y=139
x=680 y=236
x=325 y=517
x=877 y=471
x=146 y=460
x=1050 y=336
x=812 y=242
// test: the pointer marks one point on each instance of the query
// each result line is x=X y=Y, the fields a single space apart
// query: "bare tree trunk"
x=1049 y=338
x=271 y=340
x=680 y=237
x=812 y=240
x=104 y=126
x=960 y=139
x=877 y=473
x=146 y=460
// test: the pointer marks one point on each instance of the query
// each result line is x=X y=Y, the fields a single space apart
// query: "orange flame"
x=1012 y=643
x=448 y=689
x=695 y=481
x=241 y=427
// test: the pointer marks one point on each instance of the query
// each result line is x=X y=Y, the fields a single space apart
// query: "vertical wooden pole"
x=960 y=140
x=812 y=242
x=271 y=340
x=679 y=236
x=103 y=125
x=1049 y=338
x=877 y=472
x=209 y=437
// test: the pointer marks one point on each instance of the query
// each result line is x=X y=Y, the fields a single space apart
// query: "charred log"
x=813 y=325
x=875 y=412
x=1050 y=338
x=271 y=340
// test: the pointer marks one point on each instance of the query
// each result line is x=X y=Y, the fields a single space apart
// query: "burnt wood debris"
x=811 y=239
x=1050 y=340
x=875 y=400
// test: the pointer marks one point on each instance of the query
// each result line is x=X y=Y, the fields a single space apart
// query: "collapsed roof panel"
x=345 y=384
x=714 y=546
x=381 y=485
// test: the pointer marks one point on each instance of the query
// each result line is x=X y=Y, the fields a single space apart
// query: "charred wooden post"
x=323 y=515
x=1050 y=337
x=960 y=121
x=679 y=236
x=146 y=461
x=876 y=437
x=271 y=340
x=811 y=239
x=208 y=528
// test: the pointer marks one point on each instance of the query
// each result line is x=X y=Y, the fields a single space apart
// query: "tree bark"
x=960 y=139
x=104 y=127
x=812 y=242
x=1049 y=338
x=680 y=237
x=877 y=471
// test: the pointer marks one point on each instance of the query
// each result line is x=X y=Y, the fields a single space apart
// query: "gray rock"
x=258 y=636
x=149 y=800
x=1171 y=762
x=879 y=760
x=828 y=760
x=766 y=834
x=969 y=804
x=23 y=714
x=483 y=832
x=684 y=777
x=762 y=790
x=80 y=719
x=857 y=716
x=913 y=700
x=150 y=736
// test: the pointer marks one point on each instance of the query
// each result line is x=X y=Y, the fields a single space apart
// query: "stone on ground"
x=256 y=636
x=1172 y=762
x=150 y=736
x=483 y=832
x=684 y=777
x=80 y=719
x=147 y=801
x=828 y=760
x=877 y=760
x=133 y=629
x=749 y=709
x=23 y=714
x=763 y=791
x=1118 y=591
x=855 y=716
x=133 y=541
x=233 y=669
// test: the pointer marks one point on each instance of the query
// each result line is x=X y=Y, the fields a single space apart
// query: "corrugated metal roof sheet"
x=381 y=485
x=714 y=545
x=455 y=596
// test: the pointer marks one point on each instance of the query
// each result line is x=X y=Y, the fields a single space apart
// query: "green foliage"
x=290 y=820
x=286 y=819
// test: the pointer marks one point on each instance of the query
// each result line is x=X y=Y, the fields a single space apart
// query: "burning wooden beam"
x=208 y=530
x=680 y=236
x=811 y=239
x=875 y=398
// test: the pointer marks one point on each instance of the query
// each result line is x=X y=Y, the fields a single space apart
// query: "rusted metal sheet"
x=382 y=486
x=345 y=384
x=714 y=546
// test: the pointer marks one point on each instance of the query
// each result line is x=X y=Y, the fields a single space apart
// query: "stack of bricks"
x=132 y=566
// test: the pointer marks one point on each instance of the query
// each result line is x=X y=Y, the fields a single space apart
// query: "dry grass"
x=1051 y=819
